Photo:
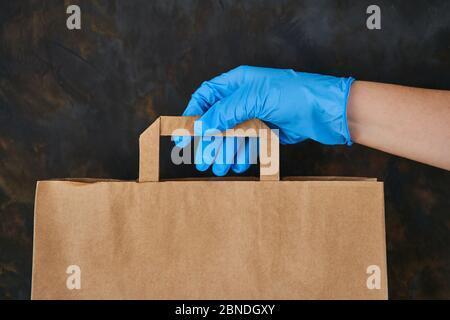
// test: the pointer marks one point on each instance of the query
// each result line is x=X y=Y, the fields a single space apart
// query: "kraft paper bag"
x=294 y=238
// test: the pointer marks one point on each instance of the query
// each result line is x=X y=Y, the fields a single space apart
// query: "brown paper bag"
x=270 y=239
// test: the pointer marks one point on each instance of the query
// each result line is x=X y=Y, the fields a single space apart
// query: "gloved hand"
x=301 y=105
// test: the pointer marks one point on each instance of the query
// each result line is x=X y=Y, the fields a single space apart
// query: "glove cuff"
x=348 y=83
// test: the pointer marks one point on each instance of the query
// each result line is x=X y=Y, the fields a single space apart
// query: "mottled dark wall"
x=72 y=103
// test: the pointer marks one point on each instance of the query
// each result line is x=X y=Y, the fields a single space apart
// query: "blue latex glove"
x=301 y=105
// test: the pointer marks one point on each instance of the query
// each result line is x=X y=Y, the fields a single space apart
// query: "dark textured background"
x=72 y=103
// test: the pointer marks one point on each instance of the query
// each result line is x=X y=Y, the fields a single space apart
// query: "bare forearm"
x=409 y=122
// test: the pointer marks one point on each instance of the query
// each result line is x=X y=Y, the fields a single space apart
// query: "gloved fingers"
x=207 y=150
x=225 y=156
x=209 y=93
x=241 y=163
x=246 y=154
x=204 y=97
x=227 y=113
x=224 y=153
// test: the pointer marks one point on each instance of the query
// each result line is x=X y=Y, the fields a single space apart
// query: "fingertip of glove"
x=202 y=166
x=240 y=168
x=220 y=170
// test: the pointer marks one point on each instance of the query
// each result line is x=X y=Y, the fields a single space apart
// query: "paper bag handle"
x=166 y=125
